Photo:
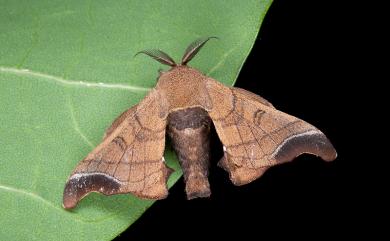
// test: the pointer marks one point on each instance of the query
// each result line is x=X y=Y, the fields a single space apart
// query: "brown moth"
x=184 y=104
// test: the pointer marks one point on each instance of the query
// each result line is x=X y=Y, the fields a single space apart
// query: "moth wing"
x=256 y=136
x=119 y=120
x=130 y=158
x=253 y=97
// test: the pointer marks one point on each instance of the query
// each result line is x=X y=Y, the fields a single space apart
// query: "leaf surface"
x=67 y=70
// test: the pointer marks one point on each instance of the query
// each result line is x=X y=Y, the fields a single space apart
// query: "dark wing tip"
x=80 y=184
x=312 y=142
x=158 y=55
x=194 y=48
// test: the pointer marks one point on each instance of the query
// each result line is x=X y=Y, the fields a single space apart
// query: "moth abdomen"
x=189 y=132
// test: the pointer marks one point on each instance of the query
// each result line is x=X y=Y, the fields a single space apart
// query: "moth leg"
x=189 y=131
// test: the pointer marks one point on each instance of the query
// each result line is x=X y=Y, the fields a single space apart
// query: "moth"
x=184 y=105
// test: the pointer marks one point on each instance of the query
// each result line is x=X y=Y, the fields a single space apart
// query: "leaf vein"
x=38 y=198
x=61 y=81
x=76 y=126
x=29 y=194
x=221 y=61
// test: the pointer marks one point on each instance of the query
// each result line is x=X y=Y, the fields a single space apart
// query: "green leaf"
x=67 y=70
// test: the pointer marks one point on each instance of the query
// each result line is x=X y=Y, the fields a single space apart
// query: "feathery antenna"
x=193 y=49
x=158 y=55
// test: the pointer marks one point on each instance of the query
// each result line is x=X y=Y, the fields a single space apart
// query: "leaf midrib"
x=66 y=82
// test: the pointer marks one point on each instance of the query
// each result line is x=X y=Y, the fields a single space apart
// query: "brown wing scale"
x=129 y=160
x=119 y=120
x=256 y=136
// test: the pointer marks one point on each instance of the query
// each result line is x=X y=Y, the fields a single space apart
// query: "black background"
x=298 y=63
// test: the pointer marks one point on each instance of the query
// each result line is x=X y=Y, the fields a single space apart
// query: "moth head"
x=189 y=54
